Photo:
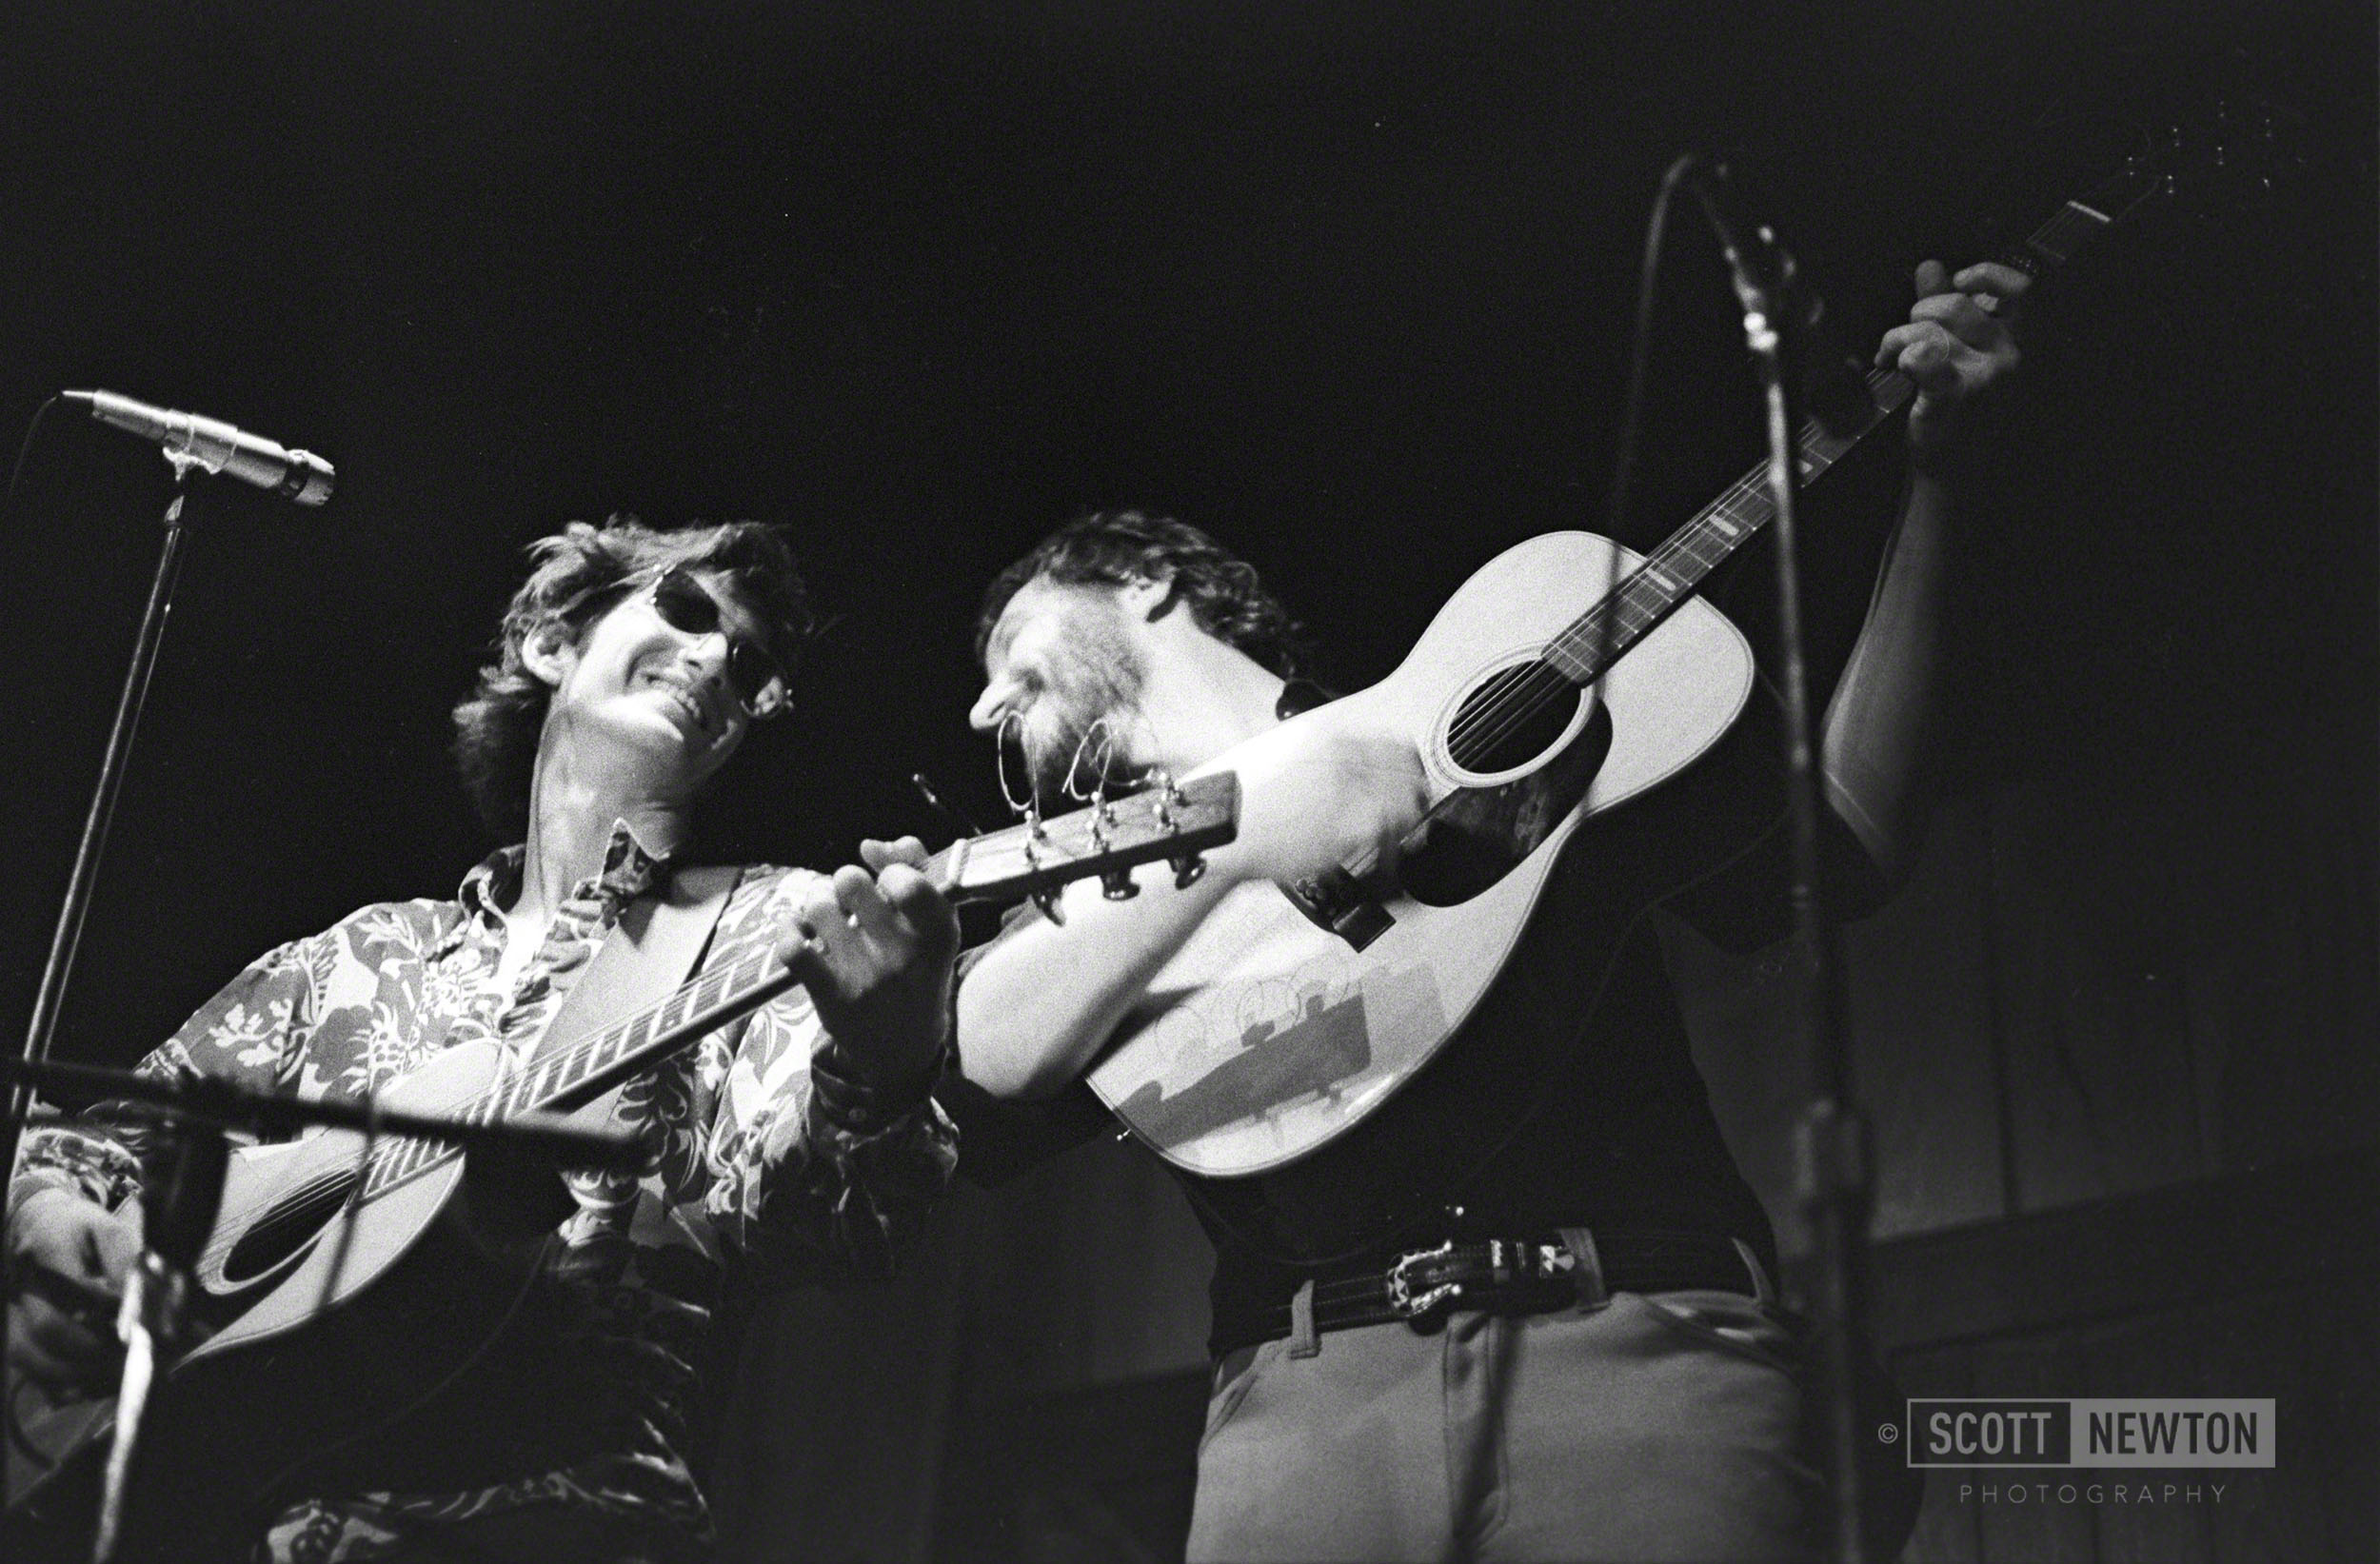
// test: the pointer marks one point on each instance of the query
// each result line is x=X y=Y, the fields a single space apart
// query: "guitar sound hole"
x=291 y=1224
x=1512 y=719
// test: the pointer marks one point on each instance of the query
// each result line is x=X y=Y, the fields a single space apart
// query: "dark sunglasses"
x=687 y=605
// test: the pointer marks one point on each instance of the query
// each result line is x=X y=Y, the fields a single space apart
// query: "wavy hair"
x=1114 y=547
x=578 y=575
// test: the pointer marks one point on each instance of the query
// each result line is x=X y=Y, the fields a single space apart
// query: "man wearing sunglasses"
x=798 y=1143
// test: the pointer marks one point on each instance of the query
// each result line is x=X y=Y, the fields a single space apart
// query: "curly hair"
x=578 y=575
x=1114 y=547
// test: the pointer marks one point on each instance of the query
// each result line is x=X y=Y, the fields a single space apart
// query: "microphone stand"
x=1833 y=1179
x=181 y=1194
x=85 y=875
x=273 y=1115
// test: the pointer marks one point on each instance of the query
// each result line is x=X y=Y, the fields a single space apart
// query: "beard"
x=1096 y=678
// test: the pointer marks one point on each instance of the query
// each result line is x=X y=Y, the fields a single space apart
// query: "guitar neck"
x=1171 y=823
x=1599 y=637
x=573 y=1076
x=973 y=869
x=1651 y=592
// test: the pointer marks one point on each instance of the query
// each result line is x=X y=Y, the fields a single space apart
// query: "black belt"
x=1505 y=1275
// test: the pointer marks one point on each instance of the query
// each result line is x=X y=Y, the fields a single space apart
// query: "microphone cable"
x=33 y=427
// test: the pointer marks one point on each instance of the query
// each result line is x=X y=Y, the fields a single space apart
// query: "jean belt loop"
x=1593 y=1294
x=1763 y=1291
x=1304 y=1341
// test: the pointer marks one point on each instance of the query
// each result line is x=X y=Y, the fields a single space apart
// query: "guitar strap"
x=650 y=952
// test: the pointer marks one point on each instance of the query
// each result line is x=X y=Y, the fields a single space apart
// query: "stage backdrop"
x=1350 y=285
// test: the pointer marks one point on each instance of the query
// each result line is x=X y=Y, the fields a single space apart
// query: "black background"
x=1347 y=285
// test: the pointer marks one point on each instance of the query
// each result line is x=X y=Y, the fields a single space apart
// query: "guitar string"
x=1522 y=699
x=1526 y=695
x=2053 y=242
x=734 y=981
x=568 y=1067
x=1508 y=713
x=304 y=1204
x=731 y=980
x=1544 y=683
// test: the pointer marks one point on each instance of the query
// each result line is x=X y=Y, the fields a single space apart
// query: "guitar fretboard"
x=570 y=1077
x=1597 y=638
x=1600 y=636
x=1166 y=823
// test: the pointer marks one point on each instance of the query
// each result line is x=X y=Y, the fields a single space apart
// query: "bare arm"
x=1037 y=1007
x=1874 y=741
x=1878 y=724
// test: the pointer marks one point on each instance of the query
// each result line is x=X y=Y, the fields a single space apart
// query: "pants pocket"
x=1232 y=1384
x=1729 y=1322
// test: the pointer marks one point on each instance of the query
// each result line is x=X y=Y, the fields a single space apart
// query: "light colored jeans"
x=1644 y=1428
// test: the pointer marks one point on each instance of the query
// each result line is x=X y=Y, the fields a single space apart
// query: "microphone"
x=1834 y=380
x=191 y=440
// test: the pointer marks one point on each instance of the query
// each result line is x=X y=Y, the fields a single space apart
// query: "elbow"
x=1016 y=1077
x=1888 y=837
x=1006 y=1062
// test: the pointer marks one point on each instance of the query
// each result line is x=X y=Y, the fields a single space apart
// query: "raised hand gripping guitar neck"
x=1568 y=676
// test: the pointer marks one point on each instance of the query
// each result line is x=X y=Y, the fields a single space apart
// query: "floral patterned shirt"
x=753 y=1150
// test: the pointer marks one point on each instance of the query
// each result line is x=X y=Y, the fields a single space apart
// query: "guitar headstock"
x=2231 y=153
x=1176 y=821
x=2235 y=154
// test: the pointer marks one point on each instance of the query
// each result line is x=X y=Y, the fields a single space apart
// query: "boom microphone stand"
x=187 y=440
x=208 y=1099
x=85 y=875
x=1786 y=332
x=182 y=1182
x=181 y=1194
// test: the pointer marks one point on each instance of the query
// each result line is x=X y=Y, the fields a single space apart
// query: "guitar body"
x=432 y=1271
x=1267 y=1036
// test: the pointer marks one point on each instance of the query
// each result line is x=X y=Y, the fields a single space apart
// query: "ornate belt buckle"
x=1403 y=1299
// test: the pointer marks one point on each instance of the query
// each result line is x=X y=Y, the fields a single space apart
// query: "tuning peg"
x=1116 y=885
x=1188 y=870
x=1046 y=898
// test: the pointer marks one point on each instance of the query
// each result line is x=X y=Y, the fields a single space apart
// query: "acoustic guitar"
x=1568 y=677
x=346 y=1283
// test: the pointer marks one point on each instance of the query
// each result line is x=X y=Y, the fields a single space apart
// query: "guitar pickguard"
x=1476 y=836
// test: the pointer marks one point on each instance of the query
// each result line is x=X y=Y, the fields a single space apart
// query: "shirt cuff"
x=857 y=1109
x=79 y=1161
